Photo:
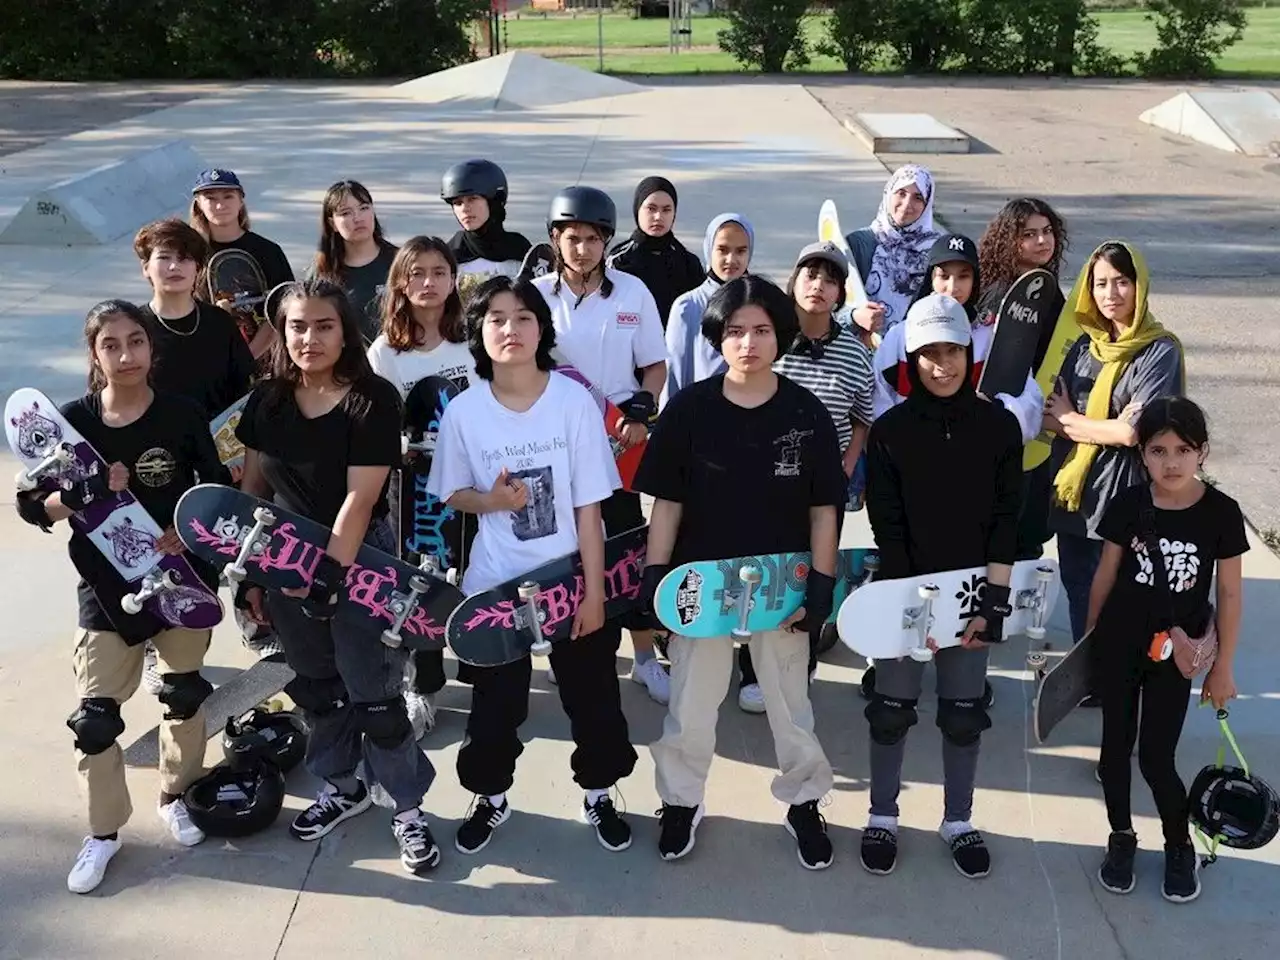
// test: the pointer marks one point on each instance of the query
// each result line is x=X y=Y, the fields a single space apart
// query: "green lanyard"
x=1210 y=845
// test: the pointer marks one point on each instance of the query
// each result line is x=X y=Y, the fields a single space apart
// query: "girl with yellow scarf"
x=1125 y=360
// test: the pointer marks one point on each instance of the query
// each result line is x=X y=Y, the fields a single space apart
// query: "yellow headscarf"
x=1116 y=355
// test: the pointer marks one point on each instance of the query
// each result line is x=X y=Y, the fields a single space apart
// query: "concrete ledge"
x=107 y=202
x=905 y=133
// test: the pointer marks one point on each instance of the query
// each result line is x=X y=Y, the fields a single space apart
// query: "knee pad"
x=96 y=724
x=962 y=721
x=317 y=697
x=384 y=722
x=182 y=694
x=890 y=718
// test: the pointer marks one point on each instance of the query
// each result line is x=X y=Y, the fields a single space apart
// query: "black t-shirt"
x=1191 y=540
x=746 y=477
x=200 y=356
x=165 y=450
x=305 y=460
x=270 y=257
x=365 y=286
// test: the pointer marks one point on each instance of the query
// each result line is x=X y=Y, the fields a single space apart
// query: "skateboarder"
x=353 y=252
x=528 y=453
x=746 y=437
x=476 y=190
x=157 y=445
x=944 y=472
x=690 y=356
x=608 y=327
x=1125 y=360
x=321 y=437
x=652 y=253
x=1200 y=531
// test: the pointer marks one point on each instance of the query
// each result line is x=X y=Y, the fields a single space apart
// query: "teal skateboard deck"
x=705 y=599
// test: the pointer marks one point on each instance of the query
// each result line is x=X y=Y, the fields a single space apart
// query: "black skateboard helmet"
x=583 y=205
x=279 y=739
x=236 y=803
x=480 y=178
x=1240 y=810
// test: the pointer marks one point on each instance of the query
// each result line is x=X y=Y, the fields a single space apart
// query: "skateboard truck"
x=426 y=445
x=60 y=455
x=403 y=604
x=920 y=619
x=253 y=544
x=541 y=646
x=750 y=577
x=1034 y=600
x=870 y=567
x=153 y=584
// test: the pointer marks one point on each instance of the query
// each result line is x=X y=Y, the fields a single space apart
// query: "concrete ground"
x=544 y=887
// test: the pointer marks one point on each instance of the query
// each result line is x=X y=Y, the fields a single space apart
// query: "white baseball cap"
x=936 y=318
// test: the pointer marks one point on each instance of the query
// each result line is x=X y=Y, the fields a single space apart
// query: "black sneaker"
x=969 y=853
x=1116 y=872
x=476 y=831
x=879 y=853
x=418 y=850
x=679 y=825
x=867 y=687
x=611 y=830
x=1181 y=874
x=329 y=810
x=807 y=825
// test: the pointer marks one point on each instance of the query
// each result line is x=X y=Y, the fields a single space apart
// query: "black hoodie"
x=944 y=481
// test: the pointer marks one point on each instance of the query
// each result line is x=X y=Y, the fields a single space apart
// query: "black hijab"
x=491 y=241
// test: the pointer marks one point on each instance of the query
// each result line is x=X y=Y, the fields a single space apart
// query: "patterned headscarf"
x=902 y=253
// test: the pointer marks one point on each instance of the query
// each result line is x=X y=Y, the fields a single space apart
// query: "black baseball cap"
x=216 y=179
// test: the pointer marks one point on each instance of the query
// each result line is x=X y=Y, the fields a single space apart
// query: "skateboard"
x=538 y=262
x=1065 y=333
x=1061 y=687
x=855 y=294
x=223 y=428
x=626 y=458
x=267 y=545
x=1028 y=308
x=54 y=456
x=529 y=613
x=236 y=276
x=891 y=619
x=746 y=595
x=429 y=527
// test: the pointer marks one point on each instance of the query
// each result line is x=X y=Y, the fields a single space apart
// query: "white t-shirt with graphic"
x=557 y=448
x=607 y=339
x=452 y=361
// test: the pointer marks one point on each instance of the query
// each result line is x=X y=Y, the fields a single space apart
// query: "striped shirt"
x=841 y=379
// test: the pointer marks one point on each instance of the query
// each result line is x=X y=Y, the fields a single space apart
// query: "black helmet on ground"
x=279 y=739
x=583 y=205
x=480 y=178
x=236 y=803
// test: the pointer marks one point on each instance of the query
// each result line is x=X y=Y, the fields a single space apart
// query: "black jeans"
x=587 y=680
x=1129 y=678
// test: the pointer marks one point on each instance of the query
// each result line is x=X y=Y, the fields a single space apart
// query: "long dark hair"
x=352 y=363
x=998 y=248
x=397 y=313
x=332 y=248
x=99 y=315
x=531 y=298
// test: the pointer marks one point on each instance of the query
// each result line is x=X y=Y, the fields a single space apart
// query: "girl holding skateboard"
x=476 y=191
x=1124 y=360
x=528 y=453
x=607 y=326
x=164 y=440
x=321 y=437
x=353 y=253
x=1200 y=532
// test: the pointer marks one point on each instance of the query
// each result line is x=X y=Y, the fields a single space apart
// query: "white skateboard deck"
x=889 y=619
x=829 y=231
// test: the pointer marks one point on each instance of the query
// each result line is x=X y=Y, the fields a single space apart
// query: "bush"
x=854 y=32
x=766 y=34
x=925 y=35
x=1192 y=34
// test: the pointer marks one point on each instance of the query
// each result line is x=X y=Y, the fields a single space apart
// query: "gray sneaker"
x=151 y=681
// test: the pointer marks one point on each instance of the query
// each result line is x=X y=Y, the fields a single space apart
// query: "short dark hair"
x=182 y=238
x=352 y=365
x=528 y=295
x=1178 y=414
x=747 y=291
x=828 y=270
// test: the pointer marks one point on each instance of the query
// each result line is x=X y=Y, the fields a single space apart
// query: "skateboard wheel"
x=928 y=591
x=417 y=585
x=451 y=577
x=232 y=574
x=264 y=516
x=23 y=481
x=921 y=654
x=130 y=604
x=872 y=563
x=1035 y=633
x=391 y=640
x=1044 y=574
x=404 y=445
x=540 y=648
x=750 y=574
x=1036 y=661
x=528 y=590
x=167 y=580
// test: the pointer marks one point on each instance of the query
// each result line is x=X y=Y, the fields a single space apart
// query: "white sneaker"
x=178 y=820
x=422 y=713
x=751 y=699
x=151 y=681
x=551 y=675
x=91 y=864
x=652 y=675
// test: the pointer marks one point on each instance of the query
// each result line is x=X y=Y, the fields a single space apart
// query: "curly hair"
x=998 y=248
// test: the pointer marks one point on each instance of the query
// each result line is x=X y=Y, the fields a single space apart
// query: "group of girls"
x=526 y=452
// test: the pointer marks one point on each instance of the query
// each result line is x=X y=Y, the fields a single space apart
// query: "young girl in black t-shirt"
x=322 y=436
x=354 y=253
x=164 y=440
x=1197 y=527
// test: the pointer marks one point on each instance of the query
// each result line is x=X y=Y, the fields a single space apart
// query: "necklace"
x=179 y=333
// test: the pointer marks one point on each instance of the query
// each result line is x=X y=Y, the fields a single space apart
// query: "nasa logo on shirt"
x=628 y=319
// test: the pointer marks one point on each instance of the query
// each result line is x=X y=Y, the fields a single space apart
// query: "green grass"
x=1125 y=32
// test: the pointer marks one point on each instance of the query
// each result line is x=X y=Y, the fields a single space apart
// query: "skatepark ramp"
x=109 y=201
x=1238 y=121
x=514 y=81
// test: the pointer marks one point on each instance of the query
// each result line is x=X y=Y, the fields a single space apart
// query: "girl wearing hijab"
x=1124 y=361
x=476 y=190
x=892 y=254
x=652 y=253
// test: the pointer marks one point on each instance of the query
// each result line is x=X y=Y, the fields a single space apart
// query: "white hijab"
x=902 y=253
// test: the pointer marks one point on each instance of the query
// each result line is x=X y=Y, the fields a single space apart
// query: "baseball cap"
x=936 y=318
x=951 y=247
x=216 y=179
x=828 y=252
